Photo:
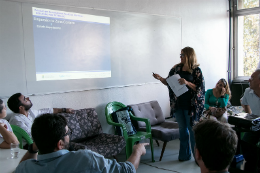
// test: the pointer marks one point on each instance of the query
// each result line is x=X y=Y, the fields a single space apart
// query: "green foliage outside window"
x=250 y=39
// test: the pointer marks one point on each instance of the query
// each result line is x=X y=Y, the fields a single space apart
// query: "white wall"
x=204 y=27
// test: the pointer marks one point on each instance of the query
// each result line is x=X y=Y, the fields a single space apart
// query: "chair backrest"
x=21 y=134
x=84 y=124
x=112 y=107
x=150 y=110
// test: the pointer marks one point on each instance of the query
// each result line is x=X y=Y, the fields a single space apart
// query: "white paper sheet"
x=175 y=85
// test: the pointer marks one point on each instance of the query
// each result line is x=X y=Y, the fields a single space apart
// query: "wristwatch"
x=222 y=97
x=30 y=149
x=63 y=110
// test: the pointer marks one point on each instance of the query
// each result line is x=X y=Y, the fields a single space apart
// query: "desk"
x=9 y=165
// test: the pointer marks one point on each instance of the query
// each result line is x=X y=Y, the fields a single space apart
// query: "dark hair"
x=47 y=130
x=1 y=107
x=216 y=142
x=14 y=103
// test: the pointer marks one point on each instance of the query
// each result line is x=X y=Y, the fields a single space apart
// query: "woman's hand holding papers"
x=182 y=81
x=191 y=85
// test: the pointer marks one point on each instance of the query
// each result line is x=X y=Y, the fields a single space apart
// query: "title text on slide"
x=52 y=13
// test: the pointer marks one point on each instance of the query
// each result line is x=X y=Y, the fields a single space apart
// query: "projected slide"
x=70 y=45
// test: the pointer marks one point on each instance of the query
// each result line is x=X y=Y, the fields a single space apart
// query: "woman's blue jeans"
x=186 y=134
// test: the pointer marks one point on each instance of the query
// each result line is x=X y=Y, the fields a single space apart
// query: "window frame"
x=234 y=45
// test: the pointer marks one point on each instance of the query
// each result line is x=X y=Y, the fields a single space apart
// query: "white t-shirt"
x=9 y=128
x=26 y=122
x=251 y=99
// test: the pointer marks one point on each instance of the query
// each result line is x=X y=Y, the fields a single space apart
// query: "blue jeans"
x=186 y=134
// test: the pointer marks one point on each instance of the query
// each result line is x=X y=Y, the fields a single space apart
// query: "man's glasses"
x=69 y=132
x=182 y=55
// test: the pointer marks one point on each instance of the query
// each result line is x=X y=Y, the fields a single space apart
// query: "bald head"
x=255 y=80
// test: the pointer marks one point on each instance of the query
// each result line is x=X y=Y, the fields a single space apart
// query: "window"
x=244 y=4
x=246 y=36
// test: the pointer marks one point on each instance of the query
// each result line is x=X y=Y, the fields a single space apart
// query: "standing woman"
x=188 y=107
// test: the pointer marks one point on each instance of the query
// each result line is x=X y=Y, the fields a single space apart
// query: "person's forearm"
x=65 y=110
x=192 y=86
x=12 y=138
x=57 y=110
x=8 y=137
x=29 y=156
x=247 y=109
x=5 y=145
x=135 y=159
x=163 y=80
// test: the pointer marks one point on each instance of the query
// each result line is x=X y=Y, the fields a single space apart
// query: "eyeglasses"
x=69 y=132
x=182 y=55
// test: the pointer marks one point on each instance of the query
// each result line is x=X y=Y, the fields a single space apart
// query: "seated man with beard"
x=51 y=136
x=24 y=116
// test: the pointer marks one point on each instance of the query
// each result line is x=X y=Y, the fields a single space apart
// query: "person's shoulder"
x=197 y=68
x=174 y=69
x=86 y=155
x=85 y=152
x=210 y=90
x=4 y=121
x=15 y=117
x=7 y=123
x=176 y=66
x=25 y=165
x=247 y=91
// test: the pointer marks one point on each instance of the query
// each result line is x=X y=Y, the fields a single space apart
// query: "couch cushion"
x=166 y=131
x=73 y=124
x=150 y=110
x=107 y=145
x=89 y=122
x=76 y=146
x=84 y=123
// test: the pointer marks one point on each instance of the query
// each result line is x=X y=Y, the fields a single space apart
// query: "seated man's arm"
x=247 y=109
x=244 y=104
x=138 y=151
x=59 y=110
x=101 y=164
x=36 y=113
x=29 y=155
